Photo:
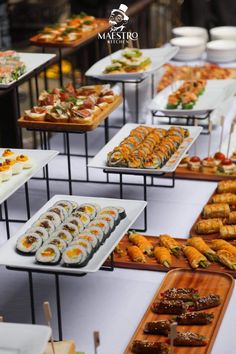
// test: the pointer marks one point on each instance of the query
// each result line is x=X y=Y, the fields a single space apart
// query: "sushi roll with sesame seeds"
x=48 y=225
x=103 y=225
x=96 y=231
x=28 y=243
x=52 y=216
x=82 y=216
x=75 y=256
x=113 y=212
x=57 y=241
x=48 y=254
x=41 y=231
x=64 y=235
x=76 y=221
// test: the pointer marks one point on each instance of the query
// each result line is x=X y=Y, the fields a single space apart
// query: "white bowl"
x=190 y=48
x=189 y=31
x=223 y=32
x=221 y=51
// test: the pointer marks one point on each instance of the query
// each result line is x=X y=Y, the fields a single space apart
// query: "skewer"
x=222 y=122
x=195 y=145
x=209 y=140
x=230 y=135
x=48 y=317
x=109 y=49
x=172 y=335
x=96 y=340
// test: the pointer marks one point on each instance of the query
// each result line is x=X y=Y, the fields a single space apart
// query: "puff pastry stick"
x=232 y=218
x=202 y=247
x=136 y=254
x=170 y=243
x=227 y=186
x=209 y=226
x=228 y=231
x=227 y=258
x=228 y=198
x=219 y=244
x=219 y=210
x=163 y=256
x=195 y=258
x=142 y=242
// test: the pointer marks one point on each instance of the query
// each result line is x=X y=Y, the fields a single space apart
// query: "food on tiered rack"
x=194 y=163
x=147 y=147
x=186 y=95
x=219 y=244
x=219 y=210
x=189 y=339
x=227 y=258
x=205 y=72
x=232 y=218
x=141 y=241
x=208 y=226
x=228 y=231
x=71 y=105
x=202 y=247
x=195 y=258
x=161 y=327
x=165 y=306
x=131 y=61
x=184 y=294
x=69 y=232
x=227 y=187
x=208 y=164
x=136 y=254
x=194 y=318
x=228 y=198
x=219 y=157
x=69 y=31
x=11 y=67
x=171 y=244
x=227 y=167
x=205 y=302
x=147 y=347
x=163 y=256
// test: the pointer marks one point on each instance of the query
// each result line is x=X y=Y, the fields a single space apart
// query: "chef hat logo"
x=118 y=17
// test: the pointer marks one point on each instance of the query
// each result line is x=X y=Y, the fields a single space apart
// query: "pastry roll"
x=184 y=294
x=170 y=243
x=205 y=302
x=163 y=256
x=194 y=318
x=142 y=242
x=201 y=246
x=220 y=210
x=232 y=218
x=228 y=198
x=161 y=327
x=164 y=306
x=136 y=254
x=210 y=226
x=190 y=339
x=195 y=258
x=228 y=231
x=223 y=245
x=227 y=186
x=227 y=258
x=147 y=347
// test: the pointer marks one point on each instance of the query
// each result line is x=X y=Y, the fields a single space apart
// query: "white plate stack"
x=221 y=51
x=190 y=48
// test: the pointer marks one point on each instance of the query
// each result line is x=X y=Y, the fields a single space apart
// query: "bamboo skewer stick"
x=195 y=145
x=109 y=49
x=222 y=123
x=48 y=317
x=172 y=335
x=230 y=135
x=209 y=140
x=96 y=340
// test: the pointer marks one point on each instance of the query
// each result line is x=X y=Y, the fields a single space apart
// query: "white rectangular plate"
x=100 y=160
x=18 y=338
x=158 y=56
x=133 y=208
x=32 y=62
x=40 y=159
x=216 y=92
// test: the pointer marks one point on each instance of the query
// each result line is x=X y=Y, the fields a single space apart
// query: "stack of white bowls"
x=191 y=42
x=222 y=48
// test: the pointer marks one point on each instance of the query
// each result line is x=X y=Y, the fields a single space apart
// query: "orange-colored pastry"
x=136 y=254
x=142 y=242
x=195 y=258
x=163 y=256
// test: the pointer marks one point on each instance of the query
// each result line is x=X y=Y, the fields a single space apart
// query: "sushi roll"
x=41 y=231
x=71 y=228
x=96 y=231
x=52 y=216
x=108 y=218
x=75 y=256
x=48 y=254
x=113 y=212
x=64 y=235
x=57 y=241
x=15 y=166
x=122 y=213
x=59 y=210
x=82 y=216
x=68 y=206
x=5 y=172
x=90 y=209
x=84 y=243
x=103 y=225
x=91 y=238
x=77 y=222
x=48 y=225
x=29 y=243
x=25 y=160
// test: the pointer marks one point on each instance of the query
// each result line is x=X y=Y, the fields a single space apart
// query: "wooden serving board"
x=124 y=261
x=184 y=173
x=71 y=127
x=206 y=283
x=103 y=25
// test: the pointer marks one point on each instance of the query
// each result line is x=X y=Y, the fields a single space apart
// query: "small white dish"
x=190 y=48
x=223 y=32
x=190 y=31
x=221 y=50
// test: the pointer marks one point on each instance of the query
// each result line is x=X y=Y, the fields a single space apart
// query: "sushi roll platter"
x=192 y=97
x=72 y=233
x=146 y=149
x=17 y=166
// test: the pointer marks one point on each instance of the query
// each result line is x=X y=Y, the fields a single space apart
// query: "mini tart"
x=5 y=172
x=16 y=166
x=194 y=163
x=227 y=166
x=8 y=154
x=209 y=165
x=25 y=160
x=219 y=157
x=184 y=162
